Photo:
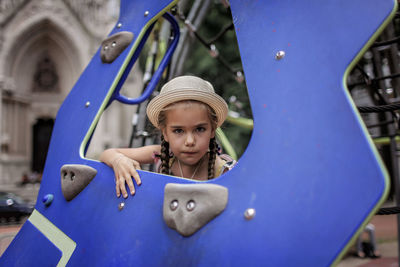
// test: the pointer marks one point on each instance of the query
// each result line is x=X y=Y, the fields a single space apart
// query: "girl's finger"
x=118 y=192
x=117 y=189
x=122 y=187
x=130 y=185
x=137 y=178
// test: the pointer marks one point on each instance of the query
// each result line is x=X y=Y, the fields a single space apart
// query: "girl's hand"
x=124 y=169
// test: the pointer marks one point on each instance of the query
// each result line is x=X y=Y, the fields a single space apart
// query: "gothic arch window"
x=45 y=78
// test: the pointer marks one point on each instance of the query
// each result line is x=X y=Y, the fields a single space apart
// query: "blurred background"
x=46 y=44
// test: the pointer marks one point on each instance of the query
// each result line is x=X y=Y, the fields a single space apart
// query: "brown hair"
x=165 y=156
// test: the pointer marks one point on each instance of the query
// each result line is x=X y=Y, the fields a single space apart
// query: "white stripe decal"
x=55 y=235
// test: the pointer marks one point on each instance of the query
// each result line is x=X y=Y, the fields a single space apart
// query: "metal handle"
x=157 y=74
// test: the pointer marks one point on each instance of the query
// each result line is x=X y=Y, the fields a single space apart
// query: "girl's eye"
x=177 y=131
x=200 y=129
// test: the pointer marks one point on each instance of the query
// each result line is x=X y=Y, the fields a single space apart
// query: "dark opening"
x=41 y=140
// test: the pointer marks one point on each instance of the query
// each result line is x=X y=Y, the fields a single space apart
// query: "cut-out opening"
x=216 y=60
x=374 y=85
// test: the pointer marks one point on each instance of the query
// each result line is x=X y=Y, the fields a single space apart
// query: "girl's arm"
x=125 y=162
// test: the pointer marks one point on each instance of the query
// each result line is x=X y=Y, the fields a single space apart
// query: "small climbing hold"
x=48 y=199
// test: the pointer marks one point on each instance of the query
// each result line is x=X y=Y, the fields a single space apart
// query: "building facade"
x=44 y=47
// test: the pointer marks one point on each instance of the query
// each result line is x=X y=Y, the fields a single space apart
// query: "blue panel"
x=309 y=170
x=30 y=248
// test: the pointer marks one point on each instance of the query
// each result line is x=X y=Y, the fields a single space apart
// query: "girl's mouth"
x=189 y=153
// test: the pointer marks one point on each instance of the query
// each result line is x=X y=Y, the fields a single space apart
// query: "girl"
x=187 y=111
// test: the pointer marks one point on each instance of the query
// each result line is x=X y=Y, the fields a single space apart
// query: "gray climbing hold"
x=188 y=207
x=74 y=178
x=113 y=46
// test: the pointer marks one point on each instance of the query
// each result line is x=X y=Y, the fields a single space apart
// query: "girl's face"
x=188 y=131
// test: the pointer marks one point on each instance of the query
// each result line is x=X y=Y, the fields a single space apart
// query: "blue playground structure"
x=307 y=184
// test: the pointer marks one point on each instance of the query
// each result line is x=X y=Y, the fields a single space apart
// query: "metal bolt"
x=121 y=206
x=174 y=204
x=113 y=44
x=249 y=214
x=190 y=205
x=119 y=25
x=87 y=104
x=279 y=55
x=146 y=13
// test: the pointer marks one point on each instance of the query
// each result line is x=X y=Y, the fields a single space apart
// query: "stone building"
x=44 y=47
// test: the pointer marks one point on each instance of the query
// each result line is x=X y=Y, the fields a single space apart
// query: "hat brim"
x=159 y=102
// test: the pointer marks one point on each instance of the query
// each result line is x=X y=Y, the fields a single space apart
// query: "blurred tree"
x=201 y=62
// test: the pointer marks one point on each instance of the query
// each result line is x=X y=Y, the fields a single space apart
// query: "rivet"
x=87 y=104
x=48 y=199
x=119 y=25
x=249 y=214
x=121 y=206
x=113 y=44
x=279 y=55
x=174 y=204
x=146 y=13
x=190 y=205
x=105 y=47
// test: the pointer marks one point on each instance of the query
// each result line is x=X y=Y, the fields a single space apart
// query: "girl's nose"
x=190 y=141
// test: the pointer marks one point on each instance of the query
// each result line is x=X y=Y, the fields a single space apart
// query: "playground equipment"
x=308 y=183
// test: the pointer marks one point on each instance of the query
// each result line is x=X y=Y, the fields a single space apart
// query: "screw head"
x=190 y=205
x=113 y=44
x=87 y=104
x=250 y=213
x=146 y=13
x=105 y=47
x=121 y=206
x=279 y=55
x=119 y=25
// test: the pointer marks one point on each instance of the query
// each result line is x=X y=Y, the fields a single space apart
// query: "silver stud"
x=113 y=44
x=146 y=13
x=87 y=104
x=174 y=204
x=119 y=25
x=190 y=205
x=121 y=206
x=279 y=55
x=249 y=214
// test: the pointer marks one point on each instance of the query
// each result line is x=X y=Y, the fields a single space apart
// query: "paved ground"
x=386 y=234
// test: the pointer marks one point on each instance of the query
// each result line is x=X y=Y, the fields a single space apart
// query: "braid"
x=164 y=156
x=211 y=158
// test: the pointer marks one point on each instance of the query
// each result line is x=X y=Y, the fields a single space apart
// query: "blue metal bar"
x=158 y=73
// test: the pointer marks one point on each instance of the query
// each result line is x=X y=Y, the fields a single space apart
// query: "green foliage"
x=202 y=64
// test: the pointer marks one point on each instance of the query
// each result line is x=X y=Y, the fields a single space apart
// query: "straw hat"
x=187 y=88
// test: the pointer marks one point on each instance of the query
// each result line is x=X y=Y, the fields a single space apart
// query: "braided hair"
x=164 y=156
x=211 y=157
